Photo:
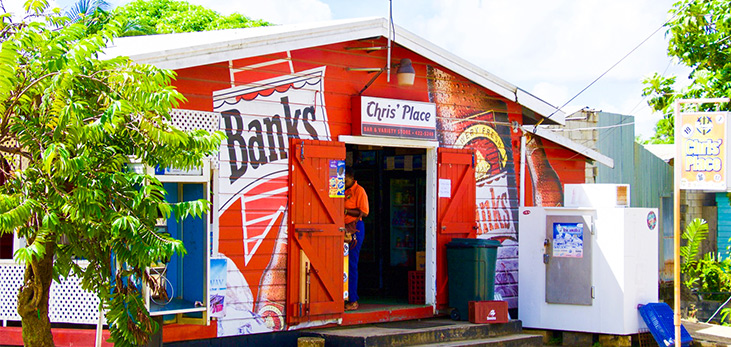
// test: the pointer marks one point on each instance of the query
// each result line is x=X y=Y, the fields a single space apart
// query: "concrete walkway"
x=714 y=335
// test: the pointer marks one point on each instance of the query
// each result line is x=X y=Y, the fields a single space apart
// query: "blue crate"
x=659 y=319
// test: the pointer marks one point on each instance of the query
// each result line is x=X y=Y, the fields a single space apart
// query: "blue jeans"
x=353 y=256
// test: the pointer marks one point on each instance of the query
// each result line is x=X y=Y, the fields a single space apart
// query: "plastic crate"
x=659 y=319
x=645 y=338
x=416 y=288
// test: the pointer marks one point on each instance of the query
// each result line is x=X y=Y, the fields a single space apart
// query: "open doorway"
x=395 y=242
x=6 y=246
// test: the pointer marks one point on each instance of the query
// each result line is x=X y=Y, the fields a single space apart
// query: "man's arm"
x=354 y=212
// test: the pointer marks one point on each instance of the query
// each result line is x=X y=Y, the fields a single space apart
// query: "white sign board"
x=398 y=118
x=703 y=158
x=445 y=188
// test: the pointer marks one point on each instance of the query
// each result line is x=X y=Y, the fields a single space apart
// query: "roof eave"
x=265 y=44
x=299 y=38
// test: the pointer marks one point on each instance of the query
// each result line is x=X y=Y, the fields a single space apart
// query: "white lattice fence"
x=68 y=302
x=188 y=120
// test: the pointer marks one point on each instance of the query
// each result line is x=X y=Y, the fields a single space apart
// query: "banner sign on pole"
x=703 y=150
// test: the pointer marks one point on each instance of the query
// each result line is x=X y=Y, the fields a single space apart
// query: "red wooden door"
x=456 y=212
x=315 y=240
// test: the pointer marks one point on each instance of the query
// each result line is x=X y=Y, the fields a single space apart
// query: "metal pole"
x=98 y=337
x=676 y=223
x=677 y=170
x=522 y=170
x=390 y=37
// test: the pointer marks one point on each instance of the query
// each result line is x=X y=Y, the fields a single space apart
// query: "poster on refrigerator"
x=568 y=240
x=337 y=179
x=217 y=287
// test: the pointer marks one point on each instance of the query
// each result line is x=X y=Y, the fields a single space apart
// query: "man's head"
x=349 y=177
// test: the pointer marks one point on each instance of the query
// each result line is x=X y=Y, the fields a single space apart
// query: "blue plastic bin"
x=659 y=319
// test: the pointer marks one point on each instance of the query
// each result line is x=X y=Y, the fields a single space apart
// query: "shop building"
x=439 y=159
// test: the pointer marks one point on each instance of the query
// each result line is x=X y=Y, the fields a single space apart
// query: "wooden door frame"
x=430 y=199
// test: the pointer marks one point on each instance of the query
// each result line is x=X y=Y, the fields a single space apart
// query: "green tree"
x=700 y=38
x=70 y=125
x=170 y=16
x=86 y=8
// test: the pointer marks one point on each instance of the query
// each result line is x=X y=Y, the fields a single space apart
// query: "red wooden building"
x=439 y=159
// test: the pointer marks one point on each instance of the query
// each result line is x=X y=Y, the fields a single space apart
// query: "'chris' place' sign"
x=395 y=118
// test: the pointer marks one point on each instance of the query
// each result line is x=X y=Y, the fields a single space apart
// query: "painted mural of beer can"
x=469 y=117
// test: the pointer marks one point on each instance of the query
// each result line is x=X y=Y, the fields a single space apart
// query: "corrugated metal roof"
x=177 y=51
x=566 y=142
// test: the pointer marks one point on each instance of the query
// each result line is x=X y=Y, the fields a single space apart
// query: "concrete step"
x=418 y=332
x=513 y=340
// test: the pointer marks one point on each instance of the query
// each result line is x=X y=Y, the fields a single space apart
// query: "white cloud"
x=556 y=48
x=551 y=92
x=14 y=7
x=550 y=40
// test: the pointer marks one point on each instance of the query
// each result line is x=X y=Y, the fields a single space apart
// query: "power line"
x=670 y=62
x=618 y=125
x=612 y=67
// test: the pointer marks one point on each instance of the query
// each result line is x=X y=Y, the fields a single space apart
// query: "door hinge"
x=302 y=151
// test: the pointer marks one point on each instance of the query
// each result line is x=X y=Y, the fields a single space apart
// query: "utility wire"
x=618 y=125
x=670 y=62
x=610 y=69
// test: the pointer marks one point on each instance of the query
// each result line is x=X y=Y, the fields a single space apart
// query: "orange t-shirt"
x=356 y=197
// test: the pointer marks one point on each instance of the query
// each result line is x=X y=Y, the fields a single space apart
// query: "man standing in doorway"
x=356 y=207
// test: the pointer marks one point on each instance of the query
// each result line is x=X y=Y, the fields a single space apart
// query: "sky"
x=552 y=49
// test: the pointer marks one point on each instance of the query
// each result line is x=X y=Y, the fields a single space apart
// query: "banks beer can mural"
x=258 y=119
x=468 y=117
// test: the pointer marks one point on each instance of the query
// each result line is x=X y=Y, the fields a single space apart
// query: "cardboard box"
x=421 y=261
x=488 y=312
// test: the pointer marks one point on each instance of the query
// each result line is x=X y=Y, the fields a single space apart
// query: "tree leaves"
x=700 y=38
x=695 y=232
x=170 y=16
x=79 y=122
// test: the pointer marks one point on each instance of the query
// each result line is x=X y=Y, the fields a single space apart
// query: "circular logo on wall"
x=687 y=130
x=651 y=220
x=346 y=249
x=704 y=124
x=345 y=277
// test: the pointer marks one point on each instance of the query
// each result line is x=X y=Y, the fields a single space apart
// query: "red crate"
x=416 y=288
x=488 y=312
